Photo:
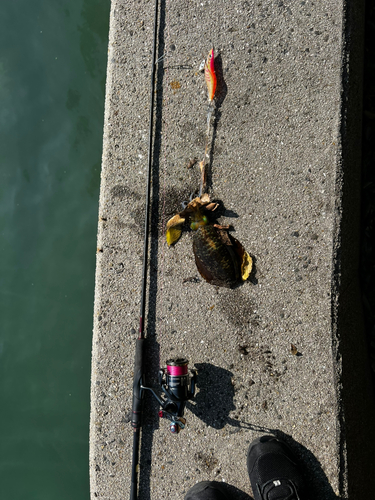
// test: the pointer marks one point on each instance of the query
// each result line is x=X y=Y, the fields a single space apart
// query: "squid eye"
x=204 y=218
x=194 y=226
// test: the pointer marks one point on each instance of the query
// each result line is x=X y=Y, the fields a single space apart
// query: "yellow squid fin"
x=246 y=266
x=174 y=229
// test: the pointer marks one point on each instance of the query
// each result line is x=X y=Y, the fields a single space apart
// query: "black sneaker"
x=207 y=490
x=273 y=471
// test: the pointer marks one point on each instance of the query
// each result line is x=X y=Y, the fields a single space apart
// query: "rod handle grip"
x=137 y=381
x=133 y=491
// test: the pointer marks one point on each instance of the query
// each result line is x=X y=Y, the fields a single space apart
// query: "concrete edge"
x=97 y=297
x=356 y=412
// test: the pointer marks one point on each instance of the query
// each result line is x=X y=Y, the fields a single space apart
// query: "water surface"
x=52 y=77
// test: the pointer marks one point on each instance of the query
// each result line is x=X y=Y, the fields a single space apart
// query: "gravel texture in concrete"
x=278 y=168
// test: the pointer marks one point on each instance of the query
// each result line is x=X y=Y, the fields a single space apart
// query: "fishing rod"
x=138 y=360
x=176 y=384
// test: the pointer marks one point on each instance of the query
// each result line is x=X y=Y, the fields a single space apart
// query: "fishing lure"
x=211 y=81
x=210 y=75
x=221 y=259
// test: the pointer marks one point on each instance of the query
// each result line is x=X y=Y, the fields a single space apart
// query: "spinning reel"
x=178 y=387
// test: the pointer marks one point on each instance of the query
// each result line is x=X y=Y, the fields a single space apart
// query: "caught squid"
x=221 y=259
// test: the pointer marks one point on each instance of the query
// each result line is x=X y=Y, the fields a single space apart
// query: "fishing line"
x=163 y=320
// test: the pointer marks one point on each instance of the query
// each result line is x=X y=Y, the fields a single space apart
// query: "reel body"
x=178 y=387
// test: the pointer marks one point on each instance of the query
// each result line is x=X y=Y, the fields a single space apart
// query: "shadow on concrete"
x=368 y=186
x=214 y=401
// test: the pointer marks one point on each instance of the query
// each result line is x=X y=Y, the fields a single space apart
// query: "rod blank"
x=139 y=352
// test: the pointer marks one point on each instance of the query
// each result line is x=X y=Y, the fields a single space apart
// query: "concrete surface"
x=285 y=164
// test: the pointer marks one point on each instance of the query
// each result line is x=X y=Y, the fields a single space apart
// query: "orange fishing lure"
x=209 y=74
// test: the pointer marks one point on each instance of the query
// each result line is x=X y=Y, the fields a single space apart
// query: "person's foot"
x=273 y=471
x=207 y=490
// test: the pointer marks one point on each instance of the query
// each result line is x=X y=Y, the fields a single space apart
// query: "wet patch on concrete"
x=238 y=309
x=124 y=193
x=206 y=460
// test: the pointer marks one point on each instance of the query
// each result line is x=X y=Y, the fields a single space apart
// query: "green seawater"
x=52 y=77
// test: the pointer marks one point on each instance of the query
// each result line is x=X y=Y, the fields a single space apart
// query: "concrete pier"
x=285 y=163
